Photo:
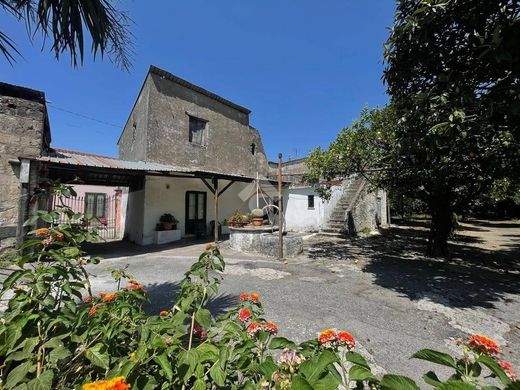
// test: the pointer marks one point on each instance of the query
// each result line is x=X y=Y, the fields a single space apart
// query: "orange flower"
x=41 y=232
x=109 y=297
x=117 y=383
x=255 y=297
x=327 y=338
x=483 y=345
x=164 y=313
x=93 y=310
x=59 y=236
x=271 y=327
x=253 y=328
x=87 y=299
x=508 y=369
x=346 y=339
x=135 y=286
x=244 y=315
x=209 y=246
x=102 y=294
x=244 y=296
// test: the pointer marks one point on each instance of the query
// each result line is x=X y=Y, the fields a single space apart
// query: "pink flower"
x=244 y=315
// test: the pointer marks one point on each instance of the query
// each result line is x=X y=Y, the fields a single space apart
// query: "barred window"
x=197 y=131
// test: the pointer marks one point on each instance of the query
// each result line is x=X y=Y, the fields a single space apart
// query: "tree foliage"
x=453 y=76
x=66 y=24
x=453 y=127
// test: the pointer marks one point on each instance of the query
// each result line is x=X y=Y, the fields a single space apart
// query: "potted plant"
x=257 y=216
x=168 y=222
x=237 y=220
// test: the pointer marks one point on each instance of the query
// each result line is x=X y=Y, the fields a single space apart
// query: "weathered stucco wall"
x=365 y=214
x=23 y=121
x=133 y=141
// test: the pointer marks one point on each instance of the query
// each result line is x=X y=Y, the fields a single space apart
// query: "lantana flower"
x=255 y=297
x=41 y=232
x=508 y=369
x=109 y=297
x=290 y=358
x=244 y=296
x=117 y=383
x=483 y=345
x=93 y=310
x=198 y=331
x=87 y=299
x=164 y=313
x=244 y=315
x=254 y=328
x=271 y=327
x=209 y=246
x=327 y=338
x=345 y=339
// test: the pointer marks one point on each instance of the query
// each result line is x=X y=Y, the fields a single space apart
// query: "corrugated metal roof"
x=74 y=158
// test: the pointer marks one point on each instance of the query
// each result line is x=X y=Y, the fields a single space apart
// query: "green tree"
x=65 y=23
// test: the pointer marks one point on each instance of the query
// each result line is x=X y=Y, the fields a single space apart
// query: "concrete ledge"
x=246 y=240
x=165 y=236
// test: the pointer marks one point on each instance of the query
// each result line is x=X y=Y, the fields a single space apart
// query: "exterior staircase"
x=338 y=221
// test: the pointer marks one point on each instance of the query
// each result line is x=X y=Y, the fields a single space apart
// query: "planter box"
x=165 y=236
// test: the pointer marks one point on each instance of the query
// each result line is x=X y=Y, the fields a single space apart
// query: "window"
x=95 y=204
x=310 y=201
x=253 y=148
x=197 y=131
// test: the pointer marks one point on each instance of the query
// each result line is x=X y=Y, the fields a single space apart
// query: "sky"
x=304 y=68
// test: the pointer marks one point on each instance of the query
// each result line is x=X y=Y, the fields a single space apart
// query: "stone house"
x=24 y=133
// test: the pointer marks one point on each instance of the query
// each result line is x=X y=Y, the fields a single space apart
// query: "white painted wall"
x=299 y=217
x=168 y=195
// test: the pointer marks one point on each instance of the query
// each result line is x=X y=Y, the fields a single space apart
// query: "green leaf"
x=435 y=357
x=356 y=358
x=513 y=386
x=218 y=375
x=431 y=378
x=164 y=362
x=455 y=385
x=398 y=382
x=268 y=367
x=281 y=343
x=18 y=374
x=96 y=357
x=43 y=382
x=199 y=384
x=494 y=368
x=300 y=383
x=203 y=318
x=359 y=373
x=316 y=368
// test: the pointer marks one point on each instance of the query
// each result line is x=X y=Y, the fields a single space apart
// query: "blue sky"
x=304 y=68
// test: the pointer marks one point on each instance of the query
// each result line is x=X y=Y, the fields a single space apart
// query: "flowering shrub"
x=56 y=334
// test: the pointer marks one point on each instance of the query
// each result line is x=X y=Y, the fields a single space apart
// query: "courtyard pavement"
x=380 y=288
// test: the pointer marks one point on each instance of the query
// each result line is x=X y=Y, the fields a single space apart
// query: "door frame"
x=205 y=203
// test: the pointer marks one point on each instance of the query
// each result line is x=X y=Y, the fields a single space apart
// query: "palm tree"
x=65 y=22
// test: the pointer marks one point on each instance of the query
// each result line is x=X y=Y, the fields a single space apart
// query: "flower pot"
x=258 y=221
x=167 y=225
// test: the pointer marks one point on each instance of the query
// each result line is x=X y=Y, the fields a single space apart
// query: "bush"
x=57 y=335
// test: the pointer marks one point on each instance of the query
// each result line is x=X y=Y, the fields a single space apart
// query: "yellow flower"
x=133 y=356
x=117 y=383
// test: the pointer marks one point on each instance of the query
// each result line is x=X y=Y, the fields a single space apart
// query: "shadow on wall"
x=474 y=277
x=162 y=297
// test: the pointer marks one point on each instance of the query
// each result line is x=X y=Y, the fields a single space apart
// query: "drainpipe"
x=23 y=205
x=280 y=209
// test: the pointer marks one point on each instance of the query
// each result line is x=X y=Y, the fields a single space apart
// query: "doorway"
x=196 y=213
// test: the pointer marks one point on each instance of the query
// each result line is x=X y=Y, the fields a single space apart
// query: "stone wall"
x=24 y=132
x=365 y=215
x=161 y=117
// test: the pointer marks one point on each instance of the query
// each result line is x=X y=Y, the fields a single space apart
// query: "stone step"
x=339 y=226
x=336 y=221
x=332 y=231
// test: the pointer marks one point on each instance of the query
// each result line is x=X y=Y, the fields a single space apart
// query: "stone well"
x=262 y=240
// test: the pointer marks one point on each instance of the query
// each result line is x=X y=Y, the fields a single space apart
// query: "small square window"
x=310 y=201
x=198 y=128
x=95 y=204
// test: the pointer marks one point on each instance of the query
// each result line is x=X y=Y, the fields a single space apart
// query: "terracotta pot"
x=258 y=221
x=167 y=225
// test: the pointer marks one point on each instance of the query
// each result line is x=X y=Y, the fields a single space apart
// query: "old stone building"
x=178 y=123
x=24 y=134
